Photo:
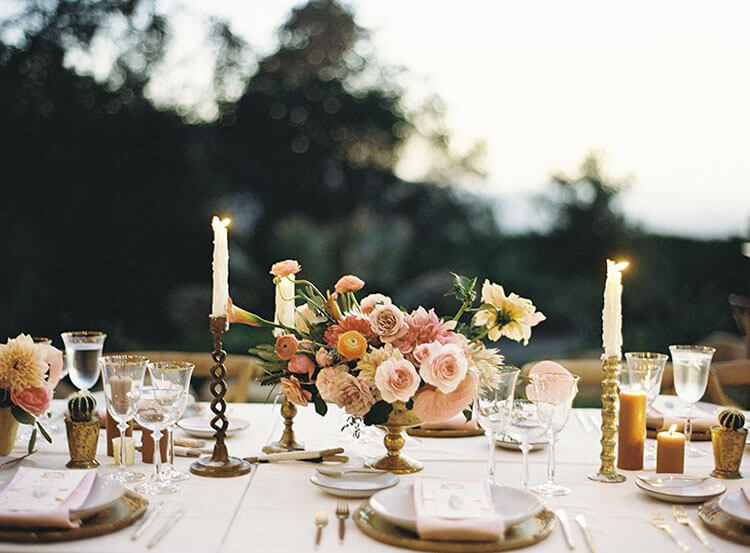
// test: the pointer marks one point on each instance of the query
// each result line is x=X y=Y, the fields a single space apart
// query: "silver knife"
x=147 y=520
x=562 y=516
x=581 y=520
x=176 y=516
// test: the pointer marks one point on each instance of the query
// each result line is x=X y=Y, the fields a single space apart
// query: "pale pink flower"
x=33 y=400
x=511 y=316
x=432 y=405
x=425 y=327
x=354 y=321
x=423 y=351
x=329 y=382
x=293 y=391
x=349 y=283
x=323 y=357
x=445 y=368
x=388 y=322
x=285 y=268
x=53 y=357
x=397 y=380
x=370 y=302
x=301 y=364
x=355 y=396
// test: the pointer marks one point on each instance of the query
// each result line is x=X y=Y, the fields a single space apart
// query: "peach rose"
x=349 y=283
x=423 y=351
x=286 y=346
x=301 y=364
x=293 y=391
x=285 y=268
x=329 y=381
x=444 y=368
x=397 y=380
x=32 y=400
x=53 y=357
x=373 y=300
x=355 y=396
x=323 y=357
x=351 y=345
x=432 y=405
x=388 y=322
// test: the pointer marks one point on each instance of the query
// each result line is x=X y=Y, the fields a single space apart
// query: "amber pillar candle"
x=670 y=451
x=631 y=434
x=147 y=446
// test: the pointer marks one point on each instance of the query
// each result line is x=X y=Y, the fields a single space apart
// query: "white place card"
x=34 y=489
x=447 y=499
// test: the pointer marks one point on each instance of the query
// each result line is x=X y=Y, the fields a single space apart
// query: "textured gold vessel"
x=8 y=430
x=400 y=419
x=287 y=442
x=82 y=440
x=728 y=448
x=607 y=472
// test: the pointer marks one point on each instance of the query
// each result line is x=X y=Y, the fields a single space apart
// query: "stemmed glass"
x=645 y=366
x=83 y=348
x=529 y=421
x=123 y=380
x=492 y=406
x=560 y=390
x=691 y=365
x=158 y=407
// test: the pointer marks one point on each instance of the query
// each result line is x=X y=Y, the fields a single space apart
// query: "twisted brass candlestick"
x=609 y=428
x=219 y=464
x=287 y=442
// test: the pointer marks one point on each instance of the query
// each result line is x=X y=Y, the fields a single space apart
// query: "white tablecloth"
x=273 y=508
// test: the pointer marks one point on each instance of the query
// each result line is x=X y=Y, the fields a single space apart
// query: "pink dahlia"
x=357 y=322
x=425 y=327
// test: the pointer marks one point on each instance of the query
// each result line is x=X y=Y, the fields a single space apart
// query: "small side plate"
x=355 y=486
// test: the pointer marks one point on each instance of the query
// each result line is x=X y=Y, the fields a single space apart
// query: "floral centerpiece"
x=29 y=373
x=379 y=363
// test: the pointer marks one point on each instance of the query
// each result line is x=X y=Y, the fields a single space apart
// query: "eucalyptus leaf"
x=44 y=432
x=379 y=413
x=22 y=416
x=32 y=441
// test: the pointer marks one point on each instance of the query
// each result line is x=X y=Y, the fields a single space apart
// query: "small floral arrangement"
x=29 y=373
x=366 y=356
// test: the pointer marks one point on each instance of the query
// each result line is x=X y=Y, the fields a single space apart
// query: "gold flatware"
x=9 y=463
x=581 y=520
x=342 y=513
x=341 y=472
x=321 y=519
x=658 y=521
x=681 y=516
x=147 y=520
x=176 y=516
x=562 y=516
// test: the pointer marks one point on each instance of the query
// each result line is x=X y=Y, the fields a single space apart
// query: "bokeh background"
x=125 y=125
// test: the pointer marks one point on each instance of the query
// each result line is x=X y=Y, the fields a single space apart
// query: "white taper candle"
x=220 y=268
x=612 y=313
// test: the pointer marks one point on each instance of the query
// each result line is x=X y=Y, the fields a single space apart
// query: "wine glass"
x=529 y=421
x=159 y=406
x=492 y=406
x=644 y=366
x=560 y=390
x=691 y=365
x=123 y=379
x=83 y=348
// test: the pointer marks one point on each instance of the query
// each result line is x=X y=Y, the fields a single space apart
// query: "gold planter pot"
x=82 y=440
x=728 y=448
x=8 y=430
x=400 y=419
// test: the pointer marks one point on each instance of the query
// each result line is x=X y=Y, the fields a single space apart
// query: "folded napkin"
x=458 y=422
x=657 y=422
x=43 y=497
x=456 y=511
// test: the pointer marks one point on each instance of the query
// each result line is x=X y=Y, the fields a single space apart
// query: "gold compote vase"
x=399 y=420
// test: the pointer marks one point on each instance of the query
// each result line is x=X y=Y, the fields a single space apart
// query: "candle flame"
x=217 y=223
x=622 y=265
x=672 y=429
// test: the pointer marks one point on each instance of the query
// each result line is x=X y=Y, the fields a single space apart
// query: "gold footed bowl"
x=400 y=419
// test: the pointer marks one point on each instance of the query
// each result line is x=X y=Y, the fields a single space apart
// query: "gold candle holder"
x=287 y=442
x=607 y=471
x=219 y=464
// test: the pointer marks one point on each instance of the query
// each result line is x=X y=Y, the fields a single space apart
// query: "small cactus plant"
x=731 y=419
x=81 y=406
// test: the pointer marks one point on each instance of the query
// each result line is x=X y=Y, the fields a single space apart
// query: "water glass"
x=648 y=367
x=123 y=379
x=691 y=365
x=83 y=348
x=492 y=406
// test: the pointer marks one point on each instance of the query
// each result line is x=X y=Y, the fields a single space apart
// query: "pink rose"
x=397 y=380
x=553 y=389
x=53 y=357
x=293 y=391
x=32 y=400
x=323 y=357
x=388 y=322
x=285 y=268
x=329 y=381
x=301 y=364
x=432 y=405
x=423 y=351
x=355 y=396
x=445 y=367
x=349 y=283
x=373 y=300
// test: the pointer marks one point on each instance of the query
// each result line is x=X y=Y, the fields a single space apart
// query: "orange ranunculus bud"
x=333 y=306
x=351 y=345
x=286 y=346
x=237 y=315
x=349 y=283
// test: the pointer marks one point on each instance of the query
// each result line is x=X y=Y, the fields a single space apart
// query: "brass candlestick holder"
x=607 y=471
x=219 y=464
x=287 y=442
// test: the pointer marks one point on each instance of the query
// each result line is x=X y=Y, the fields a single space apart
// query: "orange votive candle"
x=670 y=451
x=631 y=435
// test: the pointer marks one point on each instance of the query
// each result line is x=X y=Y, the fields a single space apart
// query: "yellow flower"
x=351 y=345
x=21 y=364
x=511 y=316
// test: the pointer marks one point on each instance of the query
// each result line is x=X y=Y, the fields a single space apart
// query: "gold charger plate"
x=722 y=524
x=467 y=433
x=523 y=534
x=125 y=512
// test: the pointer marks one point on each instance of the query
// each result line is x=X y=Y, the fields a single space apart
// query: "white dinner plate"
x=674 y=492
x=200 y=427
x=736 y=506
x=354 y=485
x=396 y=505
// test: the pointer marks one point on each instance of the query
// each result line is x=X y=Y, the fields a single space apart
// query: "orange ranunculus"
x=352 y=345
x=286 y=346
x=285 y=268
x=349 y=283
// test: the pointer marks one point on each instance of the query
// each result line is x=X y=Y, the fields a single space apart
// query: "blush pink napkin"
x=458 y=422
x=487 y=528
x=58 y=517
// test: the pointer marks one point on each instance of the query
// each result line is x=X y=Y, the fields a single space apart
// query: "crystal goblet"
x=83 y=348
x=648 y=367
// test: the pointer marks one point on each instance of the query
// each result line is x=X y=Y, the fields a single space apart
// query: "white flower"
x=305 y=316
x=510 y=316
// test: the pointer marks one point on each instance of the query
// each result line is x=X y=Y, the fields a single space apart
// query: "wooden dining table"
x=273 y=508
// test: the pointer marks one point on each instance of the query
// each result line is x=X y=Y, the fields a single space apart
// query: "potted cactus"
x=728 y=441
x=82 y=427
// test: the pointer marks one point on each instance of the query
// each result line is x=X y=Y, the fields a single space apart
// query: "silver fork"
x=342 y=513
x=681 y=516
x=658 y=521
